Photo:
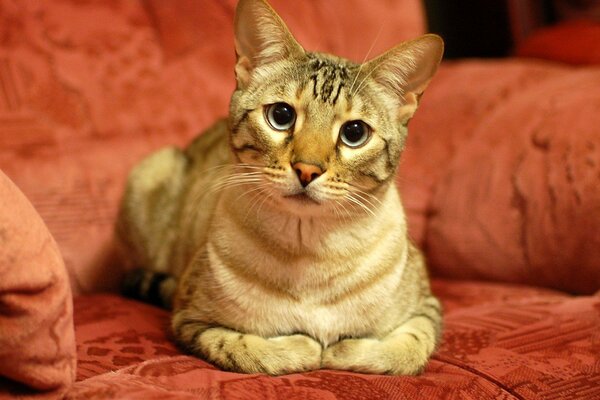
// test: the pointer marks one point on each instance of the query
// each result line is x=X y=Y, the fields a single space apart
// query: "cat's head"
x=322 y=132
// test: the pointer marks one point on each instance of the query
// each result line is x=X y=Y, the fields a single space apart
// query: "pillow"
x=37 y=343
x=574 y=42
x=520 y=200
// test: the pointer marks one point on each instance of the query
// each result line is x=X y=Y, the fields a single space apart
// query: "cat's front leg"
x=239 y=352
x=405 y=351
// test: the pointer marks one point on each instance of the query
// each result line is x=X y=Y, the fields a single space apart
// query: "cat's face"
x=323 y=134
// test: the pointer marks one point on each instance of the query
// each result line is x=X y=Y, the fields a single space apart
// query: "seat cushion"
x=500 y=342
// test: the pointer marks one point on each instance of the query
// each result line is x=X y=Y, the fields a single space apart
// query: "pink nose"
x=307 y=172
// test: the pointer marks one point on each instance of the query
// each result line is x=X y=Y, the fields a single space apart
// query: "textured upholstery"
x=500 y=342
x=37 y=345
x=514 y=165
x=500 y=181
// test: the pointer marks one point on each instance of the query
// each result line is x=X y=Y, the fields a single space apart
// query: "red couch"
x=501 y=181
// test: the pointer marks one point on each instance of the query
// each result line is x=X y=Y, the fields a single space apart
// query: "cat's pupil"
x=283 y=113
x=354 y=133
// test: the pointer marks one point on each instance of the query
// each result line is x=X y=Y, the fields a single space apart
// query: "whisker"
x=254 y=200
x=366 y=199
x=356 y=201
x=229 y=185
x=267 y=197
x=363 y=82
x=254 y=189
x=346 y=211
x=365 y=59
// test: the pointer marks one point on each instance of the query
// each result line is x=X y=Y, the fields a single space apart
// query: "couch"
x=500 y=179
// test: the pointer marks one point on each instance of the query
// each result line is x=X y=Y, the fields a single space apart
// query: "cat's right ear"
x=261 y=38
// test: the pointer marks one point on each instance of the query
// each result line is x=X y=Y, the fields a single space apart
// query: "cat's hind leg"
x=404 y=351
x=157 y=288
x=149 y=209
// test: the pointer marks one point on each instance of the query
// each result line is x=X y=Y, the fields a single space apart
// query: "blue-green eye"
x=281 y=116
x=355 y=133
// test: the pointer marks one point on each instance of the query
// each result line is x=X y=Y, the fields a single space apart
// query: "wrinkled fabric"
x=37 y=341
x=500 y=176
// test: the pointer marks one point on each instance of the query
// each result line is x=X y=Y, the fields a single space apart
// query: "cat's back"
x=210 y=149
x=165 y=192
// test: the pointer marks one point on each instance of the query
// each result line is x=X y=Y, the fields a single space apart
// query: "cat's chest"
x=326 y=314
x=268 y=317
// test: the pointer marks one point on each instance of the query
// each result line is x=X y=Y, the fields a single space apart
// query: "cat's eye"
x=355 y=133
x=281 y=116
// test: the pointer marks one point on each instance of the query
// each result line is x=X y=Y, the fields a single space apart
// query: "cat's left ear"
x=261 y=38
x=407 y=69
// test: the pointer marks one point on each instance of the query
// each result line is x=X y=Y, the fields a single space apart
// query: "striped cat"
x=278 y=236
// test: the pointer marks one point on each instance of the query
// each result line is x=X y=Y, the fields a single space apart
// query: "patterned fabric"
x=500 y=342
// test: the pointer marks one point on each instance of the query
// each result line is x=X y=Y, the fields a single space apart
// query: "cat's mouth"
x=302 y=198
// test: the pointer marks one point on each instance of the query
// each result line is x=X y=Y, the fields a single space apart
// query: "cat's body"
x=288 y=241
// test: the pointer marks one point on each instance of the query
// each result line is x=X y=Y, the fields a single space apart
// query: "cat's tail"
x=152 y=287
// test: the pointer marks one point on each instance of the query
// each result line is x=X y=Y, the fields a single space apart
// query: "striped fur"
x=277 y=278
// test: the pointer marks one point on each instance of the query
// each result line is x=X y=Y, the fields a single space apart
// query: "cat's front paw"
x=296 y=353
x=372 y=356
x=247 y=353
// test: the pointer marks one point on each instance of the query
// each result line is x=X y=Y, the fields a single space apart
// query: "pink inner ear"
x=243 y=69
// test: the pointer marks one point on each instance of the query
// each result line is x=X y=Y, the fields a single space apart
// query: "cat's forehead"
x=326 y=75
x=323 y=62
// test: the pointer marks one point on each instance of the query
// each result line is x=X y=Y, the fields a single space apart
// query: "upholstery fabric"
x=520 y=201
x=500 y=342
x=37 y=343
x=573 y=42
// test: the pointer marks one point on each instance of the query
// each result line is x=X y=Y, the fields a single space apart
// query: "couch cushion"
x=114 y=332
x=37 y=342
x=519 y=199
x=459 y=98
x=500 y=341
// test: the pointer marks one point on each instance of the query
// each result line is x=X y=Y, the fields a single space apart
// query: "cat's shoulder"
x=214 y=140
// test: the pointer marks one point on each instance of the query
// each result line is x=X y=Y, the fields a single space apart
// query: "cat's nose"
x=307 y=172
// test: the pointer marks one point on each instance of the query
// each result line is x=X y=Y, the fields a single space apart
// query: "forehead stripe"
x=328 y=79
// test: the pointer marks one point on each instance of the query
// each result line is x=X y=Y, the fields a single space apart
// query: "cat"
x=278 y=237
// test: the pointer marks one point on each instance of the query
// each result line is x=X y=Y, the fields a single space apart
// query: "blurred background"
x=562 y=29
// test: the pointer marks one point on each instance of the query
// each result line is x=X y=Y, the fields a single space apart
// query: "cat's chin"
x=301 y=204
x=302 y=199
